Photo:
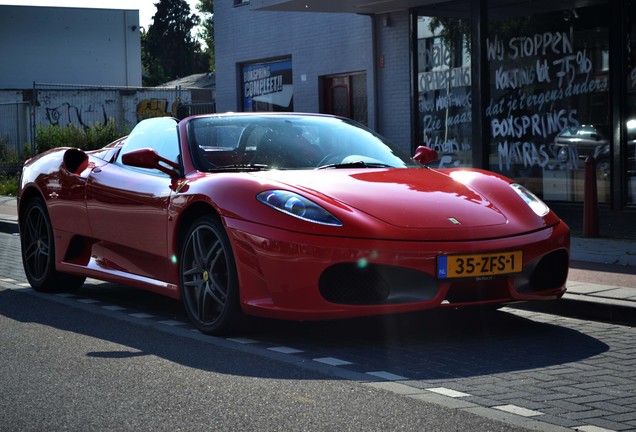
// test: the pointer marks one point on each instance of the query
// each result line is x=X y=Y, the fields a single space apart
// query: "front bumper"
x=289 y=275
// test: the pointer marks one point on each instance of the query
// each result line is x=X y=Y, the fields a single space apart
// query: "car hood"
x=416 y=198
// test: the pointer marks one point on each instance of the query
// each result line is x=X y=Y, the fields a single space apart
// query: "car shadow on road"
x=439 y=344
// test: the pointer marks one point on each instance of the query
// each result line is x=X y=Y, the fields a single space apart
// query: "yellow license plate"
x=476 y=265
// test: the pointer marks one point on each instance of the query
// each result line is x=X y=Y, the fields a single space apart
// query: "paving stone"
x=557 y=420
x=584 y=415
x=593 y=398
x=607 y=424
x=547 y=397
x=625 y=416
x=612 y=407
x=525 y=403
x=570 y=407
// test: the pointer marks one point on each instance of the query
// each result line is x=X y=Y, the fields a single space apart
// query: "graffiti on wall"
x=150 y=108
x=84 y=116
x=87 y=107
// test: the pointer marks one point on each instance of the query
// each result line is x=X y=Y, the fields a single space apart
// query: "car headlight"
x=531 y=199
x=297 y=206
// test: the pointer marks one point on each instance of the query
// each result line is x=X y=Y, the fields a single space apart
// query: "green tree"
x=153 y=73
x=169 y=49
x=206 y=7
x=455 y=33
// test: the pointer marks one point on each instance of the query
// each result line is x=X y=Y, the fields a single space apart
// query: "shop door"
x=346 y=96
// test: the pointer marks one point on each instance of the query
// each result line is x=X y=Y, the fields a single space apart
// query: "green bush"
x=91 y=138
x=52 y=136
x=8 y=184
x=8 y=153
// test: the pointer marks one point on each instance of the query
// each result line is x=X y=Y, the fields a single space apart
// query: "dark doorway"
x=346 y=95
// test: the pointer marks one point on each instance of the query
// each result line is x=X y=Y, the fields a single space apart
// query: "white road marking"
x=332 y=361
x=448 y=392
x=514 y=409
x=113 y=308
x=141 y=315
x=285 y=350
x=243 y=341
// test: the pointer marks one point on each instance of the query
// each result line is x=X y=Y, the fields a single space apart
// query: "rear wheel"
x=209 y=281
x=38 y=251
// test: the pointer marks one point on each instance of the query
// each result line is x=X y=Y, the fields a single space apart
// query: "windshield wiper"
x=240 y=167
x=356 y=164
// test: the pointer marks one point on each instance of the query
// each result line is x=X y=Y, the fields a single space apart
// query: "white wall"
x=69 y=45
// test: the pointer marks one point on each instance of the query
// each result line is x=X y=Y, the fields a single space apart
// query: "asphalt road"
x=110 y=357
x=64 y=368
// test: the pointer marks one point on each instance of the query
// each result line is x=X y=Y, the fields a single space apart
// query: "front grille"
x=374 y=284
x=478 y=291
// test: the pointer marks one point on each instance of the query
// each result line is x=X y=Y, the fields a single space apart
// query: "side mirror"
x=148 y=158
x=425 y=155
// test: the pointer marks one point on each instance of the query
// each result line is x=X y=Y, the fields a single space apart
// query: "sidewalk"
x=8 y=214
x=611 y=302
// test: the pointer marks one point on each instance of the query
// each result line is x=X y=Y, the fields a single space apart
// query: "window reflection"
x=444 y=87
x=549 y=100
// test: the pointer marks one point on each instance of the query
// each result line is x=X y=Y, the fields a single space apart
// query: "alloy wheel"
x=208 y=278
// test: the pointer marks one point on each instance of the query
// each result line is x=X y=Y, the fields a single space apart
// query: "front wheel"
x=38 y=251
x=209 y=281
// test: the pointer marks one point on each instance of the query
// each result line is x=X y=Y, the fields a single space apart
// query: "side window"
x=159 y=134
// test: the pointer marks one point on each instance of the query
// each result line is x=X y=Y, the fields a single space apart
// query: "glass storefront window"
x=548 y=105
x=444 y=88
x=629 y=149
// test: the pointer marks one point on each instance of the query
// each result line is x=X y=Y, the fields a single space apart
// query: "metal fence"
x=14 y=129
x=86 y=106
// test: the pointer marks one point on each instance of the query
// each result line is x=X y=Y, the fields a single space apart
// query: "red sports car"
x=293 y=216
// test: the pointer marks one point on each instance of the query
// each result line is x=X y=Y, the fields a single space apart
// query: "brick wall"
x=394 y=80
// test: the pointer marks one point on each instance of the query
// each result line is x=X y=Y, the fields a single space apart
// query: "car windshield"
x=290 y=141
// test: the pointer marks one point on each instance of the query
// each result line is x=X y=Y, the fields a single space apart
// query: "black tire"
x=38 y=251
x=209 y=281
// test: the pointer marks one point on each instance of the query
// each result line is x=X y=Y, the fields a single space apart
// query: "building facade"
x=78 y=46
x=542 y=91
x=293 y=61
x=81 y=66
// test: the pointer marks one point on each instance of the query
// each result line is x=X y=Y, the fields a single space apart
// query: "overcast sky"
x=146 y=7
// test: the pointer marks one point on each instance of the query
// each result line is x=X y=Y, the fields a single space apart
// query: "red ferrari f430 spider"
x=290 y=216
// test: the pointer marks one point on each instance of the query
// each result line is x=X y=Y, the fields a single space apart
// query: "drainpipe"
x=479 y=74
x=375 y=71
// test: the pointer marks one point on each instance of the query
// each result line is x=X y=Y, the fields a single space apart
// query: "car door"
x=128 y=206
